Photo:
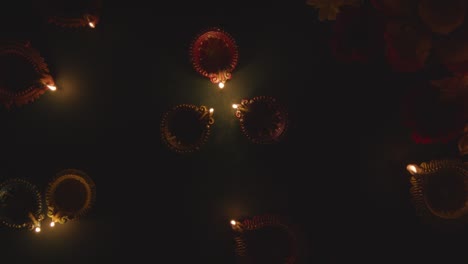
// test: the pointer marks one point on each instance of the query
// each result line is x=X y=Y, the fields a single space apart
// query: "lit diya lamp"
x=20 y=205
x=265 y=239
x=70 y=195
x=262 y=119
x=24 y=75
x=186 y=128
x=72 y=14
x=214 y=55
x=439 y=190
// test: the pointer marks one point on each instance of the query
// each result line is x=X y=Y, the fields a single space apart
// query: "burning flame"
x=413 y=169
x=91 y=21
x=51 y=87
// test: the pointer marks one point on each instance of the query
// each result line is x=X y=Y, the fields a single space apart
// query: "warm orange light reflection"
x=52 y=224
x=233 y=222
x=38 y=229
x=211 y=110
x=221 y=85
x=91 y=25
x=235 y=106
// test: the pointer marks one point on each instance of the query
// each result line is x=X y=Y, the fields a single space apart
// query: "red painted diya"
x=186 y=128
x=265 y=239
x=262 y=119
x=24 y=75
x=214 y=55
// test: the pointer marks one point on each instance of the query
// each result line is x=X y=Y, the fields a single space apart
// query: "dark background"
x=339 y=176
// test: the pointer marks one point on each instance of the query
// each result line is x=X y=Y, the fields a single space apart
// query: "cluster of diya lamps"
x=186 y=128
x=68 y=196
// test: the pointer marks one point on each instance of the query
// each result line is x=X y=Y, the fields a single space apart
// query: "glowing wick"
x=52 y=224
x=89 y=18
x=221 y=85
x=240 y=107
x=36 y=223
x=52 y=87
x=413 y=169
x=211 y=110
x=236 y=226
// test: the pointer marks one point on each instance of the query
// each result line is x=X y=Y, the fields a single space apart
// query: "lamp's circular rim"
x=282 y=114
x=196 y=46
x=53 y=208
x=35 y=193
x=25 y=51
x=264 y=221
x=170 y=140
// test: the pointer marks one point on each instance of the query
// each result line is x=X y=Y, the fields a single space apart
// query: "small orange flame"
x=52 y=87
